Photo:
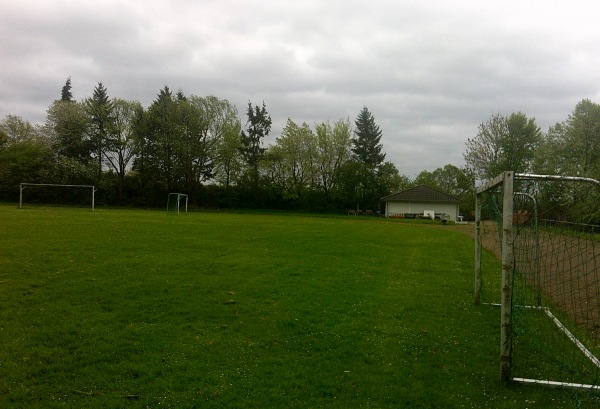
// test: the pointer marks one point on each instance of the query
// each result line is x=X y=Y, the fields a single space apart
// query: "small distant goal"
x=23 y=186
x=174 y=203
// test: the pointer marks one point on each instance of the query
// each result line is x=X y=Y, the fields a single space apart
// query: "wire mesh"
x=555 y=328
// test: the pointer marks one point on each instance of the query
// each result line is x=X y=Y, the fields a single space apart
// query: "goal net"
x=176 y=203
x=49 y=193
x=538 y=258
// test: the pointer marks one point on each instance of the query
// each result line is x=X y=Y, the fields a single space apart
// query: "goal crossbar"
x=22 y=187
x=498 y=180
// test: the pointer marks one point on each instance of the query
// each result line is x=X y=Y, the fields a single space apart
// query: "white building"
x=420 y=200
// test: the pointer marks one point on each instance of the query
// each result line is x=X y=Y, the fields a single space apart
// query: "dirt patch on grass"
x=566 y=268
x=564 y=265
x=489 y=235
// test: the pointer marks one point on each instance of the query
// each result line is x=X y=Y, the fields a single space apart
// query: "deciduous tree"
x=122 y=144
x=333 y=150
x=229 y=161
x=449 y=179
x=292 y=160
x=30 y=160
x=577 y=140
x=68 y=125
x=572 y=148
x=204 y=122
x=25 y=156
x=14 y=129
x=503 y=144
x=390 y=180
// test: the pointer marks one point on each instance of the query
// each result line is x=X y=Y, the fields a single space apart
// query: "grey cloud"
x=430 y=72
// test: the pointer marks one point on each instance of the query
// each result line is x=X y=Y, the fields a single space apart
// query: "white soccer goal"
x=23 y=186
x=174 y=203
x=548 y=282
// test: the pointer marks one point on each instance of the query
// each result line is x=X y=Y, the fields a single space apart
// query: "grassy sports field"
x=134 y=308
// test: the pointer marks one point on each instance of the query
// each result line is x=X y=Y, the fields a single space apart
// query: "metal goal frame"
x=506 y=181
x=23 y=186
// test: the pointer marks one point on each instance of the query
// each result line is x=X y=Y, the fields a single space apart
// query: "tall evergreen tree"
x=158 y=160
x=259 y=125
x=100 y=109
x=366 y=144
x=66 y=94
x=368 y=158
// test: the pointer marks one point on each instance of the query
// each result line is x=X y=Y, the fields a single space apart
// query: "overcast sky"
x=429 y=71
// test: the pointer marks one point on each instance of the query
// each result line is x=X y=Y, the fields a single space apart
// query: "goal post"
x=505 y=181
x=547 y=283
x=174 y=203
x=23 y=186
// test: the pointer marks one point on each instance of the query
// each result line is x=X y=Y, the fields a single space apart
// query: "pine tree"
x=259 y=126
x=100 y=109
x=159 y=162
x=66 y=94
x=366 y=145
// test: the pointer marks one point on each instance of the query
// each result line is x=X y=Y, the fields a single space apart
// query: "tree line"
x=199 y=146
x=137 y=155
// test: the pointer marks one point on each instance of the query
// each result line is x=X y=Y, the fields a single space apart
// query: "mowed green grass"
x=133 y=308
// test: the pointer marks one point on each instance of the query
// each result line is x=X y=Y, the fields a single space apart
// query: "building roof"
x=422 y=194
